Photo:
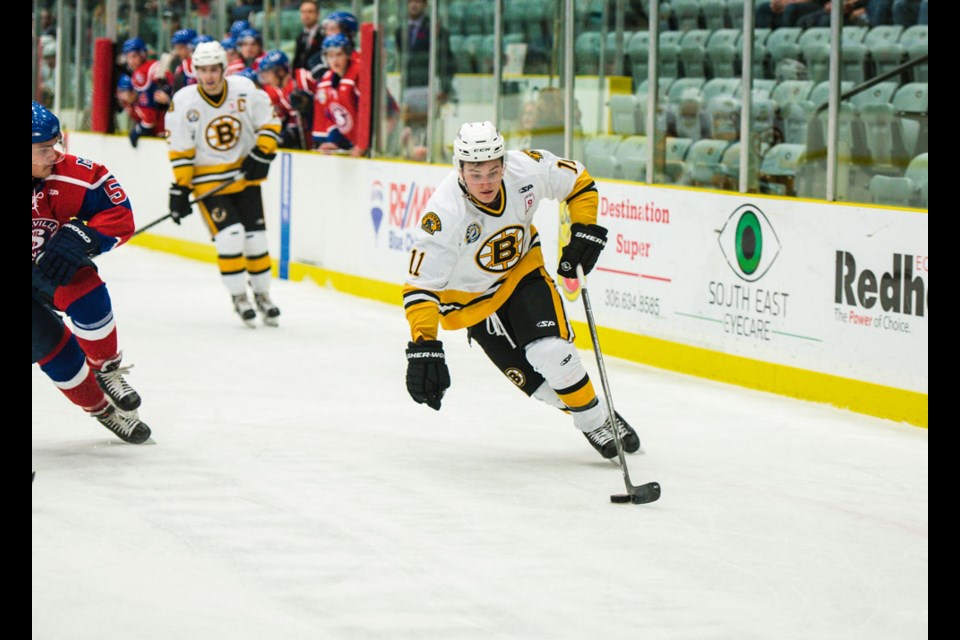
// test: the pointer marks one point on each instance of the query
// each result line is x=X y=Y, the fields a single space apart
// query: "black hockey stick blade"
x=643 y=494
x=220 y=187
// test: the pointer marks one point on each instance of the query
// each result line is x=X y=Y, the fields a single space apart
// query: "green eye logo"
x=749 y=243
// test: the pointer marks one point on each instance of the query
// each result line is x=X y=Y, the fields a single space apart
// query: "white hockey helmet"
x=477 y=142
x=209 y=53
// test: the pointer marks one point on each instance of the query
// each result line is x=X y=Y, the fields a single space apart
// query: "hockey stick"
x=636 y=494
x=220 y=187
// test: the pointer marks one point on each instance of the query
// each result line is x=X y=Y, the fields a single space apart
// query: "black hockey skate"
x=111 y=380
x=267 y=309
x=127 y=426
x=241 y=304
x=603 y=441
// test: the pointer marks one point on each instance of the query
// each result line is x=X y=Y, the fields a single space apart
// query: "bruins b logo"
x=223 y=133
x=502 y=250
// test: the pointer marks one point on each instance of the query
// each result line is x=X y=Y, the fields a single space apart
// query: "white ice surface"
x=296 y=492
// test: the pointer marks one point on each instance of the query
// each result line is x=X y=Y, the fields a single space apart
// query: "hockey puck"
x=620 y=499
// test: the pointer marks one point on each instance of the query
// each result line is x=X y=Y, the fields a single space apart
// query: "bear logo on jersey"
x=223 y=133
x=193 y=115
x=501 y=251
x=431 y=223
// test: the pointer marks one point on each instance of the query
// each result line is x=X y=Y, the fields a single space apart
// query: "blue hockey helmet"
x=134 y=45
x=46 y=126
x=201 y=39
x=229 y=43
x=274 y=60
x=337 y=41
x=183 y=36
x=249 y=34
x=346 y=21
x=250 y=74
x=125 y=83
x=237 y=27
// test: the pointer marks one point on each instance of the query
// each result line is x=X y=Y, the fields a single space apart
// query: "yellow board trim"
x=867 y=398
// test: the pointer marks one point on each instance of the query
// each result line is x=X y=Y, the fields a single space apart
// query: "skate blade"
x=149 y=440
x=271 y=322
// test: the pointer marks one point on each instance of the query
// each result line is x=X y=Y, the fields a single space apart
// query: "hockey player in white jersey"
x=219 y=127
x=476 y=264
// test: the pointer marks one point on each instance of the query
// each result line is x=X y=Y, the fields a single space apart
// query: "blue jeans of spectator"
x=879 y=12
x=906 y=12
x=765 y=18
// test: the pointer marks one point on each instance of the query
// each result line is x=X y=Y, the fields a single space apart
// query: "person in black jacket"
x=309 y=40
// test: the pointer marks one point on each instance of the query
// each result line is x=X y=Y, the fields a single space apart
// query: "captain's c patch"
x=430 y=222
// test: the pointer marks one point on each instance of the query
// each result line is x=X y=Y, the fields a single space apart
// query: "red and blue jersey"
x=335 y=108
x=82 y=189
x=299 y=80
x=146 y=80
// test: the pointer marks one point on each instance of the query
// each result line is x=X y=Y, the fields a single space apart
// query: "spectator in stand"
x=180 y=65
x=688 y=120
x=291 y=92
x=413 y=45
x=337 y=100
x=250 y=45
x=48 y=24
x=784 y=13
x=240 y=10
x=878 y=12
x=235 y=62
x=909 y=12
x=854 y=13
x=48 y=70
x=310 y=39
x=153 y=85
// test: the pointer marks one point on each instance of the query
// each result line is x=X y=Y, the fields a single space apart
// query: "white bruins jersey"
x=210 y=140
x=468 y=257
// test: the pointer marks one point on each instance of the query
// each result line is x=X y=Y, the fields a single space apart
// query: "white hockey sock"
x=558 y=361
x=229 y=244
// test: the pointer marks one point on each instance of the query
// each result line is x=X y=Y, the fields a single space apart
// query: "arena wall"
x=820 y=301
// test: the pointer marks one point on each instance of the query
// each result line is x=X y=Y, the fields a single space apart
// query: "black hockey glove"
x=180 y=206
x=257 y=164
x=69 y=249
x=586 y=243
x=300 y=100
x=427 y=375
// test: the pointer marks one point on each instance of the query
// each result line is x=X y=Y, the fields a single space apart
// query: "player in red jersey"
x=337 y=99
x=182 y=42
x=291 y=92
x=344 y=23
x=127 y=98
x=250 y=46
x=79 y=211
x=153 y=85
x=235 y=63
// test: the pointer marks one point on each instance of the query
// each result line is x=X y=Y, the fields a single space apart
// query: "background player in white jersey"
x=217 y=128
x=476 y=264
